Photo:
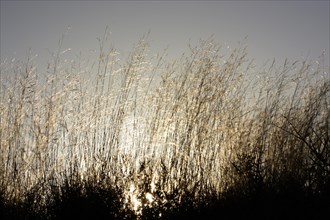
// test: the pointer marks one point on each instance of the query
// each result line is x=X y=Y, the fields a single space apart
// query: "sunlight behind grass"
x=158 y=135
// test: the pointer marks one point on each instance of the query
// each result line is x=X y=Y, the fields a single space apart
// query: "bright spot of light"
x=136 y=203
x=149 y=197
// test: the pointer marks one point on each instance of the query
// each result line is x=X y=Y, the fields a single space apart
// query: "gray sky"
x=275 y=29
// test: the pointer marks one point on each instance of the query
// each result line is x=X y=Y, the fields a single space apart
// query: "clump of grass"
x=152 y=139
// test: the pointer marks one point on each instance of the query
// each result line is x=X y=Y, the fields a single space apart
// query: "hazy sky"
x=275 y=29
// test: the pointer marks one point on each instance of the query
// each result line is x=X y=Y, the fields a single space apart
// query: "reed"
x=151 y=138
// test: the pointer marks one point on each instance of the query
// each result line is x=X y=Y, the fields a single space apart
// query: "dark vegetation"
x=208 y=136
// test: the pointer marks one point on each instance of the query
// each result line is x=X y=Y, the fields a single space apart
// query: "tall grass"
x=151 y=138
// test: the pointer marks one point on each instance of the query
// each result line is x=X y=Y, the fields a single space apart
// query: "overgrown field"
x=208 y=134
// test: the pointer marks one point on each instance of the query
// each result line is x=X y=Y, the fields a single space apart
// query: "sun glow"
x=149 y=197
x=133 y=200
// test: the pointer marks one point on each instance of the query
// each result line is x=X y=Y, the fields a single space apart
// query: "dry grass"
x=149 y=138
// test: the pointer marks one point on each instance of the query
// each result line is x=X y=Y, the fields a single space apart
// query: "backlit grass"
x=146 y=138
